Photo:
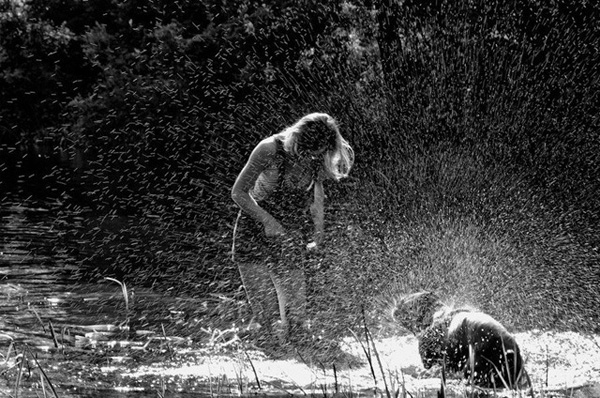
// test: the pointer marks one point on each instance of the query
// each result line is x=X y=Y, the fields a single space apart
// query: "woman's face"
x=315 y=139
x=313 y=154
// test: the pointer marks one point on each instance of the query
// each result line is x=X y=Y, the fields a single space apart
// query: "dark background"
x=475 y=126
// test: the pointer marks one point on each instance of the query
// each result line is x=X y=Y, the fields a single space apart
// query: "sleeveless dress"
x=271 y=267
x=290 y=204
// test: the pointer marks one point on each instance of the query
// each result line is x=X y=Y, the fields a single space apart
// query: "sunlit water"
x=77 y=331
x=86 y=339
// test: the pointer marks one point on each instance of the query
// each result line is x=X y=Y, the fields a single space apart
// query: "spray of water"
x=474 y=126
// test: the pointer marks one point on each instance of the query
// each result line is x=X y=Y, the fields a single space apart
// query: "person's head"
x=317 y=135
x=415 y=311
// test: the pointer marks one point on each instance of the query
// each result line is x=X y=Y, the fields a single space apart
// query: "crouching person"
x=463 y=340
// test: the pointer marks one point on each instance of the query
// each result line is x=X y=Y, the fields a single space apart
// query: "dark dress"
x=271 y=267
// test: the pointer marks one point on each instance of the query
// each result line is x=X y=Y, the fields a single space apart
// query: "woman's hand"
x=273 y=228
x=312 y=246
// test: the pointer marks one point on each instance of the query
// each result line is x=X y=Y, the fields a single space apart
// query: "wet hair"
x=416 y=311
x=314 y=132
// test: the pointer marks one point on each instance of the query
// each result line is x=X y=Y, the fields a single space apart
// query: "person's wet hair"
x=316 y=135
x=317 y=131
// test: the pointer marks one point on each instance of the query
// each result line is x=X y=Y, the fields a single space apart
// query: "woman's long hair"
x=315 y=131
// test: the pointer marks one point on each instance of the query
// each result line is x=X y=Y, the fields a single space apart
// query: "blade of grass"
x=367 y=354
x=166 y=340
x=385 y=384
x=43 y=384
x=43 y=372
x=370 y=338
x=547 y=364
x=53 y=334
x=472 y=367
x=511 y=377
x=240 y=381
x=529 y=382
x=404 y=391
x=123 y=290
x=32 y=309
x=19 y=376
x=253 y=370
x=442 y=393
x=335 y=378
x=163 y=388
x=502 y=379
x=9 y=350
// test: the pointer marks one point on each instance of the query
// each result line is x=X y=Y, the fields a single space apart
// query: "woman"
x=281 y=196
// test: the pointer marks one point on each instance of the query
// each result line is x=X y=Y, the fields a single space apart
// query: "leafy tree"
x=42 y=67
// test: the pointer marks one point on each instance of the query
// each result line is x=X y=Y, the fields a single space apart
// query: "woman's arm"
x=259 y=160
x=317 y=210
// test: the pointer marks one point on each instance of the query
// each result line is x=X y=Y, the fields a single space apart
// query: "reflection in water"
x=46 y=313
x=33 y=269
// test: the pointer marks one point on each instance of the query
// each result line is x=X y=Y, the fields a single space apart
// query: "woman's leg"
x=260 y=293
x=252 y=254
x=290 y=285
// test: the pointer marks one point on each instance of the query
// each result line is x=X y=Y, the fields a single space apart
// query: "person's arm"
x=317 y=210
x=259 y=160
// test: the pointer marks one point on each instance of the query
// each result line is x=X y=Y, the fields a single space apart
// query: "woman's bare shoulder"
x=265 y=151
x=268 y=144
